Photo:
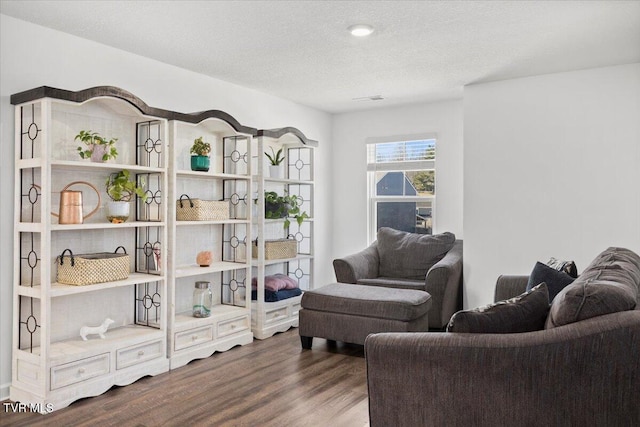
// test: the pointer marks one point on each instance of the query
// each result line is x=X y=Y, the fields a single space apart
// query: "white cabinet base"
x=276 y=317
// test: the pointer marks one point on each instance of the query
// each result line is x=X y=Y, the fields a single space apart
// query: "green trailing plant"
x=200 y=148
x=121 y=187
x=275 y=157
x=276 y=206
x=92 y=139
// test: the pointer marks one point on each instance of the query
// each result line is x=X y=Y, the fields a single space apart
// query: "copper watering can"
x=70 y=211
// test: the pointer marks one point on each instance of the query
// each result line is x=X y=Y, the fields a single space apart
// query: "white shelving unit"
x=52 y=365
x=268 y=318
x=229 y=178
x=154 y=329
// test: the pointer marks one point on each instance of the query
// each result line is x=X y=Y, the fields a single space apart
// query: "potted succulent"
x=276 y=206
x=121 y=188
x=275 y=158
x=97 y=148
x=200 y=151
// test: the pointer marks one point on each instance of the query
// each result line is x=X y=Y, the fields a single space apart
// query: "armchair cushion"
x=409 y=255
x=524 y=313
x=555 y=280
x=608 y=285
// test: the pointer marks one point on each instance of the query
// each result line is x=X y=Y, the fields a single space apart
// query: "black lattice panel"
x=236 y=155
x=234 y=287
x=301 y=271
x=150 y=136
x=299 y=163
x=150 y=209
x=149 y=250
x=236 y=192
x=30 y=131
x=234 y=243
x=30 y=195
x=148 y=304
x=30 y=259
x=29 y=325
x=304 y=193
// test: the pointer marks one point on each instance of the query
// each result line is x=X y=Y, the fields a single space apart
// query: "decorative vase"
x=275 y=171
x=117 y=212
x=97 y=151
x=200 y=163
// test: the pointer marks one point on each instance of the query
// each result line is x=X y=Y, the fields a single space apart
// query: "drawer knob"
x=233 y=326
x=81 y=371
x=194 y=337
x=141 y=353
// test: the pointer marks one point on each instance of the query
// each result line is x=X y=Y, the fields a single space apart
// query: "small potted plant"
x=96 y=148
x=200 y=151
x=276 y=207
x=121 y=188
x=275 y=158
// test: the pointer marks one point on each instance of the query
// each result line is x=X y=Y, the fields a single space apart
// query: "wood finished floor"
x=272 y=382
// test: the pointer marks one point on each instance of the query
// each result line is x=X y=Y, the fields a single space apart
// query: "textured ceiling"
x=300 y=50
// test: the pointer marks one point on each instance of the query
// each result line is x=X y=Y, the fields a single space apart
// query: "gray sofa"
x=577 y=371
x=411 y=261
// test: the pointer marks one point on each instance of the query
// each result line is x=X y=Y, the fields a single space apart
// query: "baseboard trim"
x=4 y=391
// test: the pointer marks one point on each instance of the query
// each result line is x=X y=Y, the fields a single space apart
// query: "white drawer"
x=130 y=356
x=275 y=314
x=193 y=337
x=228 y=327
x=81 y=370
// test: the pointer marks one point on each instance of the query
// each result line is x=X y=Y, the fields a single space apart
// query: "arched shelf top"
x=214 y=114
x=88 y=94
x=115 y=92
x=280 y=132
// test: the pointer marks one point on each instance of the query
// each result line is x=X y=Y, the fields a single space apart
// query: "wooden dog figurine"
x=99 y=330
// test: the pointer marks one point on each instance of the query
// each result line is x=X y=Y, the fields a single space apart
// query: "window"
x=402 y=185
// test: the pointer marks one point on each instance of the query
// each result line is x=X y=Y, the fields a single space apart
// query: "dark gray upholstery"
x=582 y=374
x=443 y=280
x=608 y=285
x=349 y=313
x=585 y=373
x=524 y=313
x=410 y=255
x=368 y=301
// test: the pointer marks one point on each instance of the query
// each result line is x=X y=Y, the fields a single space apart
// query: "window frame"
x=400 y=166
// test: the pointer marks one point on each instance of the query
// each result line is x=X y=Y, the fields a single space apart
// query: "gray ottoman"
x=347 y=312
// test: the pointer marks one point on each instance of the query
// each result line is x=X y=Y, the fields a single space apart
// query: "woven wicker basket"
x=88 y=269
x=188 y=209
x=277 y=249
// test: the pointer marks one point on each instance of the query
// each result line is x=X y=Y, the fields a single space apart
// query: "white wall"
x=552 y=168
x=350 y=132
x=33 y=56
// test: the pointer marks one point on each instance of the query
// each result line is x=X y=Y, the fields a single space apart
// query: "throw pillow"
x=410 y=255
x=555 y=280
x=524 y=313
x=608 y=285
x=568 y=267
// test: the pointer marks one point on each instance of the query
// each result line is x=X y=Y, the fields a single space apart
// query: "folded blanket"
x=270 y=296
x=276 y=282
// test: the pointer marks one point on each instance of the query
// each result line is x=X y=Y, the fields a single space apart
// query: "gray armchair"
x=443 y=279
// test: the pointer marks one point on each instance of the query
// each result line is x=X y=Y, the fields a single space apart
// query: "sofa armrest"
x=585 y=373
x=361 y=265
x=444 y=283
x=510 y=286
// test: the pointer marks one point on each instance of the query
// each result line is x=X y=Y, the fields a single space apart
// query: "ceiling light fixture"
x=360 y=30
x=369 y=98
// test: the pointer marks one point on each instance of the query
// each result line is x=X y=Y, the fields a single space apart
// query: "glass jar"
x=202 y=299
